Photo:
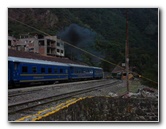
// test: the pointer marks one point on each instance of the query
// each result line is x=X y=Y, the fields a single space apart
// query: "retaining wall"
x=108 y=109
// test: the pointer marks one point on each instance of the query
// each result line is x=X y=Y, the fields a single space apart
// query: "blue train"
x=29 y=71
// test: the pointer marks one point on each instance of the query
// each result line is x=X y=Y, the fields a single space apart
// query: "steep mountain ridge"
x=101 y=31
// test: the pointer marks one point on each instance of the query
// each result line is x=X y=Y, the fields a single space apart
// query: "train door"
x=9 y=73
x=70 y=72
x=16 y=72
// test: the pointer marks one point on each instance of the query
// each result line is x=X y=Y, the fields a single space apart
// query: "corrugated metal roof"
x=21 y=54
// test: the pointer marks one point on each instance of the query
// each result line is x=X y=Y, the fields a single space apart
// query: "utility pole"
x=127 y=53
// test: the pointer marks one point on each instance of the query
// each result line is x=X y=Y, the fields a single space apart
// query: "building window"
x=57 y=50
x=61 y=51
x=62 y=44
x=58 y=44
x=42 y=70
x=24 y=69
x=41 y=43
x=49 y=70
x=9 y=42
x=34 y=69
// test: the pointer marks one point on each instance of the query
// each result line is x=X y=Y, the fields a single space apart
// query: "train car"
x=97 y=73
x=34 y=71
x=23 y=70
x=80 y=72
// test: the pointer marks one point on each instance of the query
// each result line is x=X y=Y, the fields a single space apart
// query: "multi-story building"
x=12 y=42
x=54 y=45
x=45 y=45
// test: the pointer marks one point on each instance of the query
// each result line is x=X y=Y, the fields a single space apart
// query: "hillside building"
x=44 y=45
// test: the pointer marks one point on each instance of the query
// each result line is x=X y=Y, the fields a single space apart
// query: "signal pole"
x=127 y=53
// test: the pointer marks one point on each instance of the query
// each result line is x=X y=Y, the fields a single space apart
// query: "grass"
x=134 y=85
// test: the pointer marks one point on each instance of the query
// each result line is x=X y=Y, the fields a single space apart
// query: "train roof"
x=84 y=66
x=97 y=68
x=78 y=65
x=35 y=61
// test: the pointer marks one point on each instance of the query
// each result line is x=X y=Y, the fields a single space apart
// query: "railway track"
x=26 y=105
x=30 y=90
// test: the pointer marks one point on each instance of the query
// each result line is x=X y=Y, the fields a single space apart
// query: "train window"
x=49 y=70
x=24 y=69
x=55 y=70
x=66 y=71
x=61 y=70
x=34 y=69
x=75 y=71
x=91 y=71
x=42 y=70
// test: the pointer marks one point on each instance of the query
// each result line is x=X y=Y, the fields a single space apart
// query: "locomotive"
x=29 y=71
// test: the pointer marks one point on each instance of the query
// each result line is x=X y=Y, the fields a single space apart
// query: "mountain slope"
x=101 y=31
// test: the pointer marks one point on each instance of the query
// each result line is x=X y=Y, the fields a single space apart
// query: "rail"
x=24 y=105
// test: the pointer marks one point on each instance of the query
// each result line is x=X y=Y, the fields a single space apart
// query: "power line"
x=66 y=42
x=78 y=48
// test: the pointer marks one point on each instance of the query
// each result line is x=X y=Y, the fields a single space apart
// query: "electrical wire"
x=79 y=49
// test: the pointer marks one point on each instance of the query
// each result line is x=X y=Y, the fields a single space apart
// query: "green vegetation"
x=110 y=28
x=134 y=85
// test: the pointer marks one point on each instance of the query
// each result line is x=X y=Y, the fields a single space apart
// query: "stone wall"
x=108 y=109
